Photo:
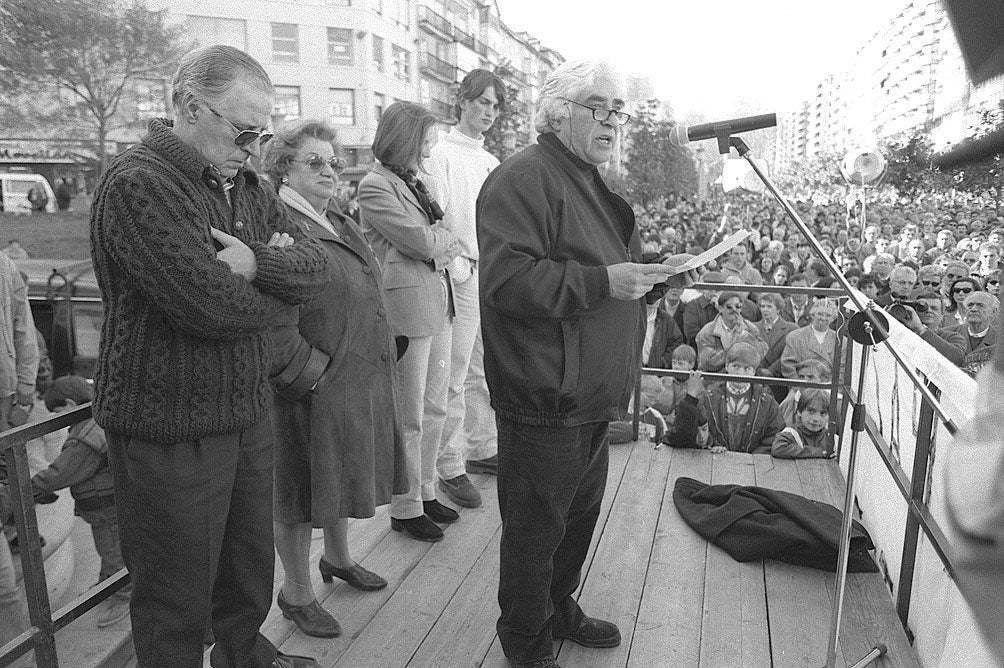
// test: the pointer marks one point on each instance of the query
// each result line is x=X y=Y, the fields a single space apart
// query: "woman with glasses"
x=993 y=283
x=404 y=225
x=959 y=290
x=339 y=451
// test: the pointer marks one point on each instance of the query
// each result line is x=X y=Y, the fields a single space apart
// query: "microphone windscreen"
x=678 y=135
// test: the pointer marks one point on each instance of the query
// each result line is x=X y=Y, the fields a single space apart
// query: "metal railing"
x=41 y=635
x=429 y=18
x=913 y=488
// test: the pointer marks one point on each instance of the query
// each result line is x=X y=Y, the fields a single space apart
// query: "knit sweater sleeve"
x=158 y=239
x=518 y=274
x=295 y=274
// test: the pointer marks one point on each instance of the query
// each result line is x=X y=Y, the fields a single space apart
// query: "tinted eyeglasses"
x=993 y=281
x=962 y=291
x=316 y=163
x=931 y=284
x=603 y=115
x=245 y=137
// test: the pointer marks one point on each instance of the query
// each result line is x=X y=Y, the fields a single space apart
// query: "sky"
x=714 y=58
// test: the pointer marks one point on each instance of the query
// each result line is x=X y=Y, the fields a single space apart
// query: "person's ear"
x=189 y=110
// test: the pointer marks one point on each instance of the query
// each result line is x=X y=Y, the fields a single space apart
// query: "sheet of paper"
x=715 y=251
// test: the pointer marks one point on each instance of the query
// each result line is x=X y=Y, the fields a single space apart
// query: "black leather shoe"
x=312 y=619
x=437 y=512
x=294 y=661
x=357 y=576
x=594 y=632
x=420 y=528
x=547 y=662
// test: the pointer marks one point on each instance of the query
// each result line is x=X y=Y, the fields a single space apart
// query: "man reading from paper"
x=563 y=323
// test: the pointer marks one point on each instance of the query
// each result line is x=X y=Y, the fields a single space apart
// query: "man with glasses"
x=979 y=330
x=926 y=321
x=562 y=321
x=196 y=261
x=902 y=279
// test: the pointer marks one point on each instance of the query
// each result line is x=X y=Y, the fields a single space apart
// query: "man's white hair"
x=568 y=81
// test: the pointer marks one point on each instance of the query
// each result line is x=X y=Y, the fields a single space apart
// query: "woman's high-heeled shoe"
x=355 y=575
x=311 y=618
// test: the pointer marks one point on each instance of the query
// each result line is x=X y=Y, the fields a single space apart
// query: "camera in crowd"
x=899 y=309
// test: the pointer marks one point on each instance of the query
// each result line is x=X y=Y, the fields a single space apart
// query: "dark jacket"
x=696 y=314
x=82 y=465
x=775 y=339
x=559 y=350
x=760 y=425
x=752 y=523
x=339 y=449
x=666 y=337
x=185 y=350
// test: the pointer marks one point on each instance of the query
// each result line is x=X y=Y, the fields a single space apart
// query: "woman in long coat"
x=339 y=449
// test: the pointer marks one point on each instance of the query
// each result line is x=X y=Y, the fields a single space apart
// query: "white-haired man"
x=562 y=321
x=196 y=261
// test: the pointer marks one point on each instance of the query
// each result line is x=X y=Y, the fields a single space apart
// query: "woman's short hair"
x=401 y=133
x=567 y=81
x=475 y=83
x=725 y=296
x=814 y=397
x=210 y=72
x=287 y=141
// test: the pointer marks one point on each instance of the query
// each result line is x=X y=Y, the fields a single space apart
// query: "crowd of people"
x=270 y=366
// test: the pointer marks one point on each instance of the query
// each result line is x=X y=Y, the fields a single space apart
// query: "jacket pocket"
x=399 y=275
x=570 y=333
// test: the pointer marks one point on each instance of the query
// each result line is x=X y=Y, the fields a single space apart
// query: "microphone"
x=681 y=135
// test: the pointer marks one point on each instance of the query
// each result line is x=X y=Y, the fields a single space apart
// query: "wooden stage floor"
x=678 y=600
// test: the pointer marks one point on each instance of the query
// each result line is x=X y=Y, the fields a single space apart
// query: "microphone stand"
x=874 y=331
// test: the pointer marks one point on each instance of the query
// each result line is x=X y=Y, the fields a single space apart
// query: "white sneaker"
x=112 y=610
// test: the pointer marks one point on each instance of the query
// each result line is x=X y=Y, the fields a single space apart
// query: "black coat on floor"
x=752 y=523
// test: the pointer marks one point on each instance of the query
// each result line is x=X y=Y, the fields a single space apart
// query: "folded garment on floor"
x=752 y=523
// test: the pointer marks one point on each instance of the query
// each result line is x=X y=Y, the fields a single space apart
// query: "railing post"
x=32 y=566
x=918 y=487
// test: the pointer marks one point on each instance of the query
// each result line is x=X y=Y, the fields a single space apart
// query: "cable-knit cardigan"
x=185 y=351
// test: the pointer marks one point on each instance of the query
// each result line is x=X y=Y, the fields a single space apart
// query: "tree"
x=909 y=166
x=656 y=168
x=983 y=177
x=93 y=52
x=513 y=119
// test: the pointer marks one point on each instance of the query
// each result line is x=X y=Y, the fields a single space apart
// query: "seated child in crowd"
x=811 y=370
x=659 y=397
x=809 y=437
x=83 y=467
x=740 y=416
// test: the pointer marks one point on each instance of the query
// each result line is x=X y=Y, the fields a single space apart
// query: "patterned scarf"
x=420 y=191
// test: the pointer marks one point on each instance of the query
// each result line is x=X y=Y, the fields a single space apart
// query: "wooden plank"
x=618 y=571
x=869 y=613
x=734 y=629
x=464 y=632
x=398 y=629
x=668 y=629
x=797 y=598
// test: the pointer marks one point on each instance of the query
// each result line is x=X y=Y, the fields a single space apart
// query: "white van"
x=14 y=187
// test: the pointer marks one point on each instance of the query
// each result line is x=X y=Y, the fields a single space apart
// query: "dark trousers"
x=195 y=522
x=550 y=485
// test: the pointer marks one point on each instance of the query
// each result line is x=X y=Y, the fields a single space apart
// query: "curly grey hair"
x=568 y=80
x=287 y=140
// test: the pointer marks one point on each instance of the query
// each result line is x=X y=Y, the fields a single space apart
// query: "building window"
x=399 y=11
x=208 y=30
x=378 y=61
x=339 y=46
x=287 y=104
x=285 y=43
x=342 y=106
x=379 y=104
x=401 y=59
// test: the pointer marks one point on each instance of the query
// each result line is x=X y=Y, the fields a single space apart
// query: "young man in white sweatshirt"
x=459 y=165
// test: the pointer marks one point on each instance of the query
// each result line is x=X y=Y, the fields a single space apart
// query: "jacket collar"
x=396 y=181
x=554 y=146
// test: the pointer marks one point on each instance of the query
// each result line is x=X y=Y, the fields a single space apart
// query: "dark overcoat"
x=339 y=450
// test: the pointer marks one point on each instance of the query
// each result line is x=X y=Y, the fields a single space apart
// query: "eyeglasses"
x=603 y=115
x=244 y=137
x=931 y=284
x=993 y=282
x=962 y=291
x=316 y=163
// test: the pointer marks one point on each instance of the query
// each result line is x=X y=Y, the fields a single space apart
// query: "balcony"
x=434 y=23
x=437 y=67
x=464 y=38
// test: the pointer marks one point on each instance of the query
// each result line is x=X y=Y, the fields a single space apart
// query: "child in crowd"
x=684 y=358
x=812 y=370
x=83 y=467
x=739 y=416
x=809 y=437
